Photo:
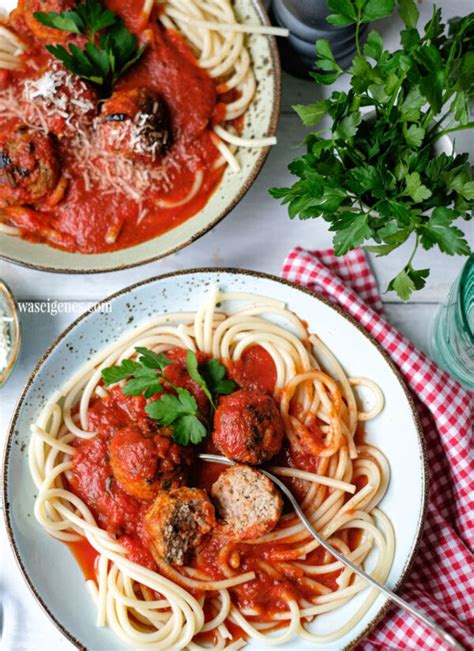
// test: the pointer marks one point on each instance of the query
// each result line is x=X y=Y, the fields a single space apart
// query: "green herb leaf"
x=181 y=412
x=407 y=281
x=116 y=373
x=414 y=135
x=439 y=230
x=347 y=127
x=188 y=429
x=215 y=375
x=169 y=407
x=193 y=370
x=312 y=113
x=344 y=12
x=415 y=188
x=373 y=47
x=146 y=385
x=153 y=360
x=376 y=9
x=353 y=229
x=409 y=13
x=67 y=21
x=103 y=60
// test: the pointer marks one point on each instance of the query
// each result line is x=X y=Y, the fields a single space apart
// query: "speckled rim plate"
x=397 y=431
x=260 y=120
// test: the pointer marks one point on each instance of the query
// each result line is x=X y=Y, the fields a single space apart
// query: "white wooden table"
x=256 y=235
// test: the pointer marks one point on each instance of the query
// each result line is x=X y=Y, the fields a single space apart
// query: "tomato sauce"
x=83 y=219
x=277 y=580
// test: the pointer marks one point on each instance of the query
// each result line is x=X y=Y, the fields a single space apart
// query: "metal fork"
x=446 y=637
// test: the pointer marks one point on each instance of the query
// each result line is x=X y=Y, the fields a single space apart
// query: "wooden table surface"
x=256 y=235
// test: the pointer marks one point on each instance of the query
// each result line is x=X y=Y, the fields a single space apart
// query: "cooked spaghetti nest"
x=310 y=383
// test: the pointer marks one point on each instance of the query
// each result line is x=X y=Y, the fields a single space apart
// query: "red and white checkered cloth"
x=441 y=580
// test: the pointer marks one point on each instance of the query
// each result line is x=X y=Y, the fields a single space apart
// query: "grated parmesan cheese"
x=104 y=171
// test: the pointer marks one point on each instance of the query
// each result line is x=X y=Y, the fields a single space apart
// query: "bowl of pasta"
x=106 y=477
x=129 y=129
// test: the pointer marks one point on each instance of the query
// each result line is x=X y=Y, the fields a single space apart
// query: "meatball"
x=65 y=102
x=248 y=502
x=248 y=427
x=176 y=523
x=29 y=7
x=29 y=166
x=135 y=123
x=144 y=466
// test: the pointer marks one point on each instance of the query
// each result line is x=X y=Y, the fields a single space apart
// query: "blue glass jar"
x=452 y=340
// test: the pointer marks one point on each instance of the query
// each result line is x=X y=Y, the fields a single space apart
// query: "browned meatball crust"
x=177 y=522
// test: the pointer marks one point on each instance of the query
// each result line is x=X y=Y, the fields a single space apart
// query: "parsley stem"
x=357 y=32
x=461 y=127
x=415 y=248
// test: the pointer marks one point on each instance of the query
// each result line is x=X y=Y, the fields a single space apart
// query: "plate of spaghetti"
x=161 y=549
x=129 y=129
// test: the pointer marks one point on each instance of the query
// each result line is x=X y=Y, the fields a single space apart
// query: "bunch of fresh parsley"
x=146 y=377
x=379 y=178
x=110 y=49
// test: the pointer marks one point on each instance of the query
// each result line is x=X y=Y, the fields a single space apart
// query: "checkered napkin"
x=441 y=580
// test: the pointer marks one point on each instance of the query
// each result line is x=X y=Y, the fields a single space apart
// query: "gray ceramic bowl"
x=260 y=120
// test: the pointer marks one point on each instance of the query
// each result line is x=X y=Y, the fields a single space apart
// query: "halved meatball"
x=29 y=7
x=176 y=523
x=135 y=123
x=248 y=502
x=29 y=165
x=248 y=427
x=144 y=466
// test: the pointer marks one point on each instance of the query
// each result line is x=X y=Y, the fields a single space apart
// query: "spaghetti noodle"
x=269 y=588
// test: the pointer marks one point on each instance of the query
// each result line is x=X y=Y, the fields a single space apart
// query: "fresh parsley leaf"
x=104 y=58
x=311 y=114
x=67 y=21
x=326 y=62
x=407 y=281
x=215 y=375
x=352 y=230
x=193 y=370
x=376 y=9
x=121 y=372
x=373 y=47
x=144 y=376
x=440 y=230
x=414 y=135
x=188 y=429
x=181 y=413
x=168 y=408
x=415 y=188
x=409 y=13
x=153 y=360
x=143 y=385
x=343 y=12
x=347 y=127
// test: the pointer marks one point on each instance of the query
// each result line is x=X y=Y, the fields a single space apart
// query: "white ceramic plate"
x=261 y=119
x=396 y=431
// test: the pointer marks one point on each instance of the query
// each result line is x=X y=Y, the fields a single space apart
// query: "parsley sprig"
x=110 y=51
x=381 y=180
x=146 y=377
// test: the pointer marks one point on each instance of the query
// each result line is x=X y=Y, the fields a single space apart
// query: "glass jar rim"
x=463 y=286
